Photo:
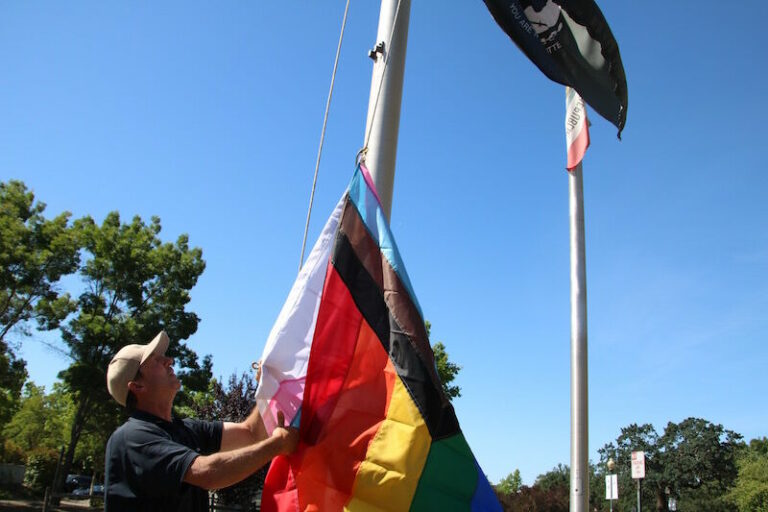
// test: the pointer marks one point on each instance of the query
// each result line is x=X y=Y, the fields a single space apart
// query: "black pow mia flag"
x=571 y=43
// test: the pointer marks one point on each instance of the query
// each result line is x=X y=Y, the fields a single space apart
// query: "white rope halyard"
x=322 y=134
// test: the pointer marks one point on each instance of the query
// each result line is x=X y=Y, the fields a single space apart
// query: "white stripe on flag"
x=286 y=353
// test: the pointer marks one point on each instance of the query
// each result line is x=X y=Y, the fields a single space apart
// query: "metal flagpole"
x=579 y=402
x=386 y=96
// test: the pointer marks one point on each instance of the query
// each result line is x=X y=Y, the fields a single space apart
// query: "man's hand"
x=257 y=368
x=225 y=468
x=288 y=436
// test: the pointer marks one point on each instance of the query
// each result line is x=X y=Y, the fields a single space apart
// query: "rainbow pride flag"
x=349 y=362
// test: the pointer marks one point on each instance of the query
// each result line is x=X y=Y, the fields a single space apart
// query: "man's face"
x=157 y=376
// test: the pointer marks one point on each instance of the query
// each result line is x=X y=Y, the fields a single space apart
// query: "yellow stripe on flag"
x=395 y=458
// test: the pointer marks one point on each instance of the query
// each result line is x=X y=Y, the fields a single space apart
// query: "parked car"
x=73 y=482
x=98 y=490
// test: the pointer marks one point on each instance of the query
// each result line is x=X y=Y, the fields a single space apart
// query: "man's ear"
x=135 y=386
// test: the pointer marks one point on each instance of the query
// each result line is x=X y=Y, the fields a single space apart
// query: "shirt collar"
x=146 y=416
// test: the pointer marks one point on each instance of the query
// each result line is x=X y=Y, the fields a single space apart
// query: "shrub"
x=41 y=468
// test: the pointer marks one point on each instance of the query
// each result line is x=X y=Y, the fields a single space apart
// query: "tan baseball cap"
x=125 y=365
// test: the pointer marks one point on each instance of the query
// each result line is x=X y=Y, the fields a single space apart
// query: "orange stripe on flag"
x=360 y=406
x=395 y=459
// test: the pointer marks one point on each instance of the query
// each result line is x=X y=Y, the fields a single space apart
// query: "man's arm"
x=245 y=433
x=226 y=468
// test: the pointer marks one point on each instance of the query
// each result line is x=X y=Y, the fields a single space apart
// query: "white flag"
x=576 y=128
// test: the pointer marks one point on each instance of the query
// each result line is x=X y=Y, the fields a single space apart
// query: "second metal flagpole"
x=579 y=393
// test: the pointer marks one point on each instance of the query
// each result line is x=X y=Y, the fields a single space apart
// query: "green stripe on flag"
x=449 y=477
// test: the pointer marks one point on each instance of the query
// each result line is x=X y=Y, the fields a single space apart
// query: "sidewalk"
x=29 y=505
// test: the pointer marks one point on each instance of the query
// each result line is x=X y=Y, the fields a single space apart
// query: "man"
x=155 y=462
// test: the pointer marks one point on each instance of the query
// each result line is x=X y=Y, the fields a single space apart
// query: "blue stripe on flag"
x=370 y=211
x=484 y=498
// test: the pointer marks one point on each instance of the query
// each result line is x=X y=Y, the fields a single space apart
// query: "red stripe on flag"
x=578 y=148
x=349 y=385
x=279 y=493
x=337 y=326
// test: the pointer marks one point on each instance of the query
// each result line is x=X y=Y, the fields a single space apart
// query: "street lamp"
x=671 y=502
x=611 y=483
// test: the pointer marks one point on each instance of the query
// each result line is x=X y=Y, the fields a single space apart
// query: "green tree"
x=446 y=370
x=555 y=486
x=36 y=433
x=511 y=483
x=750 y=493
x=34 y=254
x=89 y=454
x=694 y=459
x=552 y=490
x=535 y=499
x=40 y=423
x=557 y=477
x=135 y=285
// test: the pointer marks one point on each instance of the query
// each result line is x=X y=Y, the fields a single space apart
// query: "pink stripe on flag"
x=288 y=398
x=369 y=181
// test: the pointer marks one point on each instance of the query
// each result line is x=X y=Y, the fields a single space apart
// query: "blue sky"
x=209 y=116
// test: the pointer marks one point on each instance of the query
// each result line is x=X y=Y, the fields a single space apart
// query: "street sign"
x=611 y=487
x=638 y=465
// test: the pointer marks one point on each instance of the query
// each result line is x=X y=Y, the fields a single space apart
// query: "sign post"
x=638 y=472
x=611 y=488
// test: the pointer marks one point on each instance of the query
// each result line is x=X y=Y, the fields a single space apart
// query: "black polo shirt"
x=147 y=458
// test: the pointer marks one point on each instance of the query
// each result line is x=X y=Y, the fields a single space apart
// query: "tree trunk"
x=661 y=501
x=83 y=408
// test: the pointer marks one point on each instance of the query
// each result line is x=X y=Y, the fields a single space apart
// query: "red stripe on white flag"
x=576 y=128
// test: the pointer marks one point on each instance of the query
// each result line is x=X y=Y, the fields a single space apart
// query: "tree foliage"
x=135 y=285
x=233 y=402
x=34 y=254
x=549 y=493
x=40 y=469
x=41 y=427
x=42 y=421
x=530 y=499
x=446 y=370
x=511 y=483
x=37 y=432
x=559 y=476
x=750 y=492
x=694 y=459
